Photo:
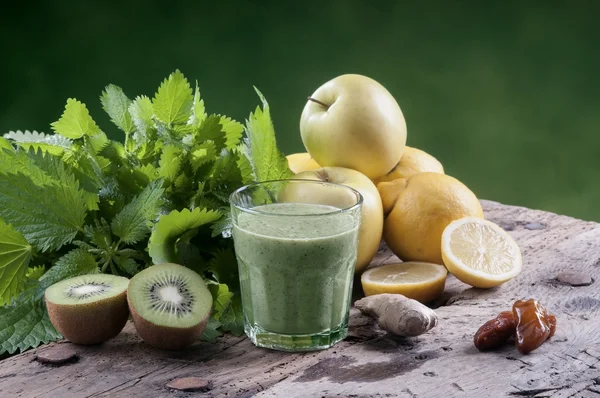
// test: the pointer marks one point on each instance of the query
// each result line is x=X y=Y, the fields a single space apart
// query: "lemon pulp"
x=417 y=280
x=480 y=253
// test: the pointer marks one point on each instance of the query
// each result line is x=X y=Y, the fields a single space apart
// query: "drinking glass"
x=296 y=244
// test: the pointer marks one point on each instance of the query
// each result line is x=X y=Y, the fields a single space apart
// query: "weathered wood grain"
x=371 y=363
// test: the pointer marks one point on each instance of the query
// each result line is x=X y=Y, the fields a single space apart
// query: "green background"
x=505 y=94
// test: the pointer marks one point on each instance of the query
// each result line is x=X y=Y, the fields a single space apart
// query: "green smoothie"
x=296 y=263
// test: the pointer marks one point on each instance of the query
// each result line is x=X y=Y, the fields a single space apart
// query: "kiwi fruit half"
x=170 y=305
x=88 y=309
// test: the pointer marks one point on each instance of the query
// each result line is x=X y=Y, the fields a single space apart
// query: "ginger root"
x=397 y=314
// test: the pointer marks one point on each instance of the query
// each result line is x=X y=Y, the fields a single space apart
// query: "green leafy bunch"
x=76 y=202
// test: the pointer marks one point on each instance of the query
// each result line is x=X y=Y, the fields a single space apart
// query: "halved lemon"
x=480 y=253
x=416 y=280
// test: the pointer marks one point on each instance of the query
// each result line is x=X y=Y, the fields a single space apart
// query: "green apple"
x=371 y=225
x=299 y=162
x=353 y=121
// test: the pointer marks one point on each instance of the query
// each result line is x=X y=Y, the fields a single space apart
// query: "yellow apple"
x=299 y=162
x=371 y=225
x=353 y=121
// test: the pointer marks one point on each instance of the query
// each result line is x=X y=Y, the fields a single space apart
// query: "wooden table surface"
x=370 y=363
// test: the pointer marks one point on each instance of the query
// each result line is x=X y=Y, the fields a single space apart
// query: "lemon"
x=419 y=281
x=413 y=161
x=417 y=211
x=480 y=253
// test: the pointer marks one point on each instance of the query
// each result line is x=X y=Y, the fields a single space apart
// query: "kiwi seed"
x=92 y=289
x=170 y=305
x=88 y=309
x=177 y=285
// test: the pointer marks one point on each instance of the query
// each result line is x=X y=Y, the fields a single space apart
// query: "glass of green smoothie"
x=296 y=243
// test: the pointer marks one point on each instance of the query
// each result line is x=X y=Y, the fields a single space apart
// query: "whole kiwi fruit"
x=88 y=309
x=170 y=305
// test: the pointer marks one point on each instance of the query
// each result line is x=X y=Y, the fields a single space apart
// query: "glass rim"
x=359 y=200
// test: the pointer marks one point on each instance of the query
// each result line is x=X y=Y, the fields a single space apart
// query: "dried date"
x=528 y=321
x=533 y=325
x=495 y=332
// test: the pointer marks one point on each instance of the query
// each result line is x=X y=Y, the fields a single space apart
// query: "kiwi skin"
x=92 y=323
x=165 y=337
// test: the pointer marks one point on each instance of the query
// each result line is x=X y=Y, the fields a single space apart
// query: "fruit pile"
x=355 y=134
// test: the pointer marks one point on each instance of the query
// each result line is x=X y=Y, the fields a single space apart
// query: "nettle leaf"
x=183 y=184
x=221 y=299
x=207 y=201
x=35 y=273
x=15 y=254
x=225 y=269
x=83 y=245
x=88 y=172
x=244 y=164
x=99 y=233
x=130 y=180
x=211 y=332
x=25 y=324
x=5 y=144
x=33 y=136
x=182 y=132
x=84 y=162
x=126 y=264
x=141 y=111
x=224 y=226
x=202 y=154
x=116 y=104
x=76 y=262
x=211 y=129
x=97 y=142
x=149 y=171
x=171 y=227
x=44 y=169
x=267 y=161
x=132 y=253
x=115 y=152
x=112 y=199
x=170 y=163
x=226 y=176
x=134 y=221
x=232 y=319
x=20 y=162
x=188 y=140
x=75 y=121
x=189 y=255
x=48 y=216
x=226 y=170
x=148 y=152
x=177 y=135
x=52 y=143
x=204 y=172
x=233 y=131
x=173 y=100
x=198 y=110
x=57 y=170
x=166 y=133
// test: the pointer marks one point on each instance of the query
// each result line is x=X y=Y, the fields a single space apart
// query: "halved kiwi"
x=88 y=309
x=170 y=305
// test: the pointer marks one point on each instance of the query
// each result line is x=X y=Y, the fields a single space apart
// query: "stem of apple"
x=318 y=102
